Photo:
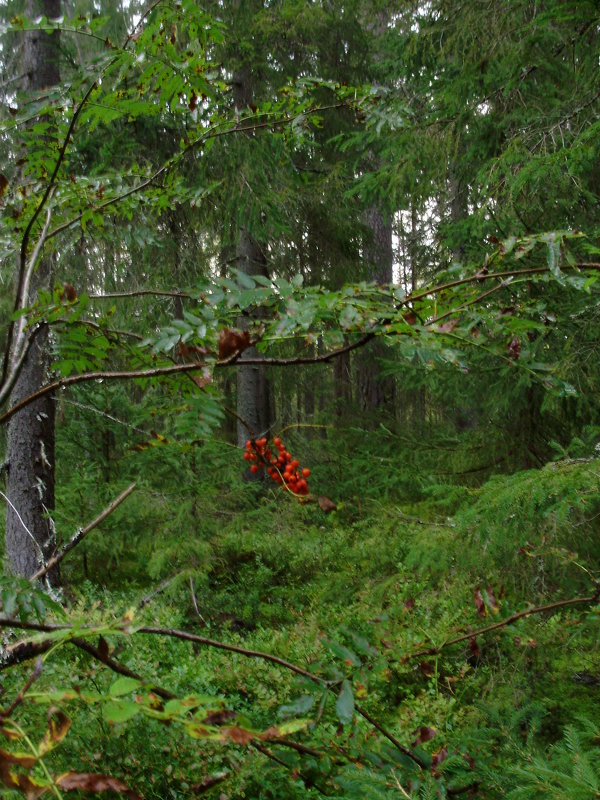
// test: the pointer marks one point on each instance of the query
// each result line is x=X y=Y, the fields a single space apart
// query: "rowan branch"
x=175 y=369
x=117 y=667
x=19 y=698
x=218 y=645
x=81 y=534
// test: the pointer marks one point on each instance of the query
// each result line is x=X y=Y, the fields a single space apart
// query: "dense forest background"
x=300 y=336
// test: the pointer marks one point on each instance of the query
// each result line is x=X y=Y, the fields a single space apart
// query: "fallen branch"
x=432 y=651
x=81 y=534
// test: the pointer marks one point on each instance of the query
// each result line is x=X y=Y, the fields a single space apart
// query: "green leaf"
x=300 y=706
x=344 y=705
x=553 y=259
x=124 y=685
x=120 y=710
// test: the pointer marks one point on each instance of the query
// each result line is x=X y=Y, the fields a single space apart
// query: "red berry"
x=306 y=472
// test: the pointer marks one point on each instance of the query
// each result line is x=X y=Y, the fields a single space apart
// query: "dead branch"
x=81 y=534
x=432 y=651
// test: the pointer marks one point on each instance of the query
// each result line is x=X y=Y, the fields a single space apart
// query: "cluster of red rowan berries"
x=281 y=467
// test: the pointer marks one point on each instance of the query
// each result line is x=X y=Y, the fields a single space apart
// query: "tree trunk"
x=252 y=385
x=375 y=390
x=30 y=533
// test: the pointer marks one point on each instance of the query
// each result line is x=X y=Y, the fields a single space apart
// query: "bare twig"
x=158 y=589
x=81 y=534
x=19 y=698
x=407 y=752
x=195 y=602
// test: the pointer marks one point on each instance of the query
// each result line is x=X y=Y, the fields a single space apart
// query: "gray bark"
x=375 y=390
x=252 y=385
x=30 y=534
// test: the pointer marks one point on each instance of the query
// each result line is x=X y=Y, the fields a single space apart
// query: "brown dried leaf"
x=58 y=727
x=473 y=646
x=94 y=782
x=103 y=648
x=409 y=604
x=437 y=758
x=3 y=184
x=326 y=505
x=232 y=341
x=22 y=759
x=31 y=788
x=69 y=292
x=514 y=348
x=426 y=669
x=447 y=327
x=219 y=717
x=424 y=734
x=238 y=735
x=479 y=602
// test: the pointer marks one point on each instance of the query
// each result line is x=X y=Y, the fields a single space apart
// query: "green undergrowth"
x=366 y=596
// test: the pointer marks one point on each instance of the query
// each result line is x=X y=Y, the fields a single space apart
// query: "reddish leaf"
x=93 y=782
x=326 y=505
x=426 y=669
x=478 y=597
x=23 y=759
x=514 y=348
x=469 y=759
x=473 y=646
x=424 y=734
x=438 y=758
x=193 y=102
x=31 y=788
x=58 y=727
x=219 y=717
x=447 y=327
x=238 y=735
x=409 y=604
x=231 y=342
